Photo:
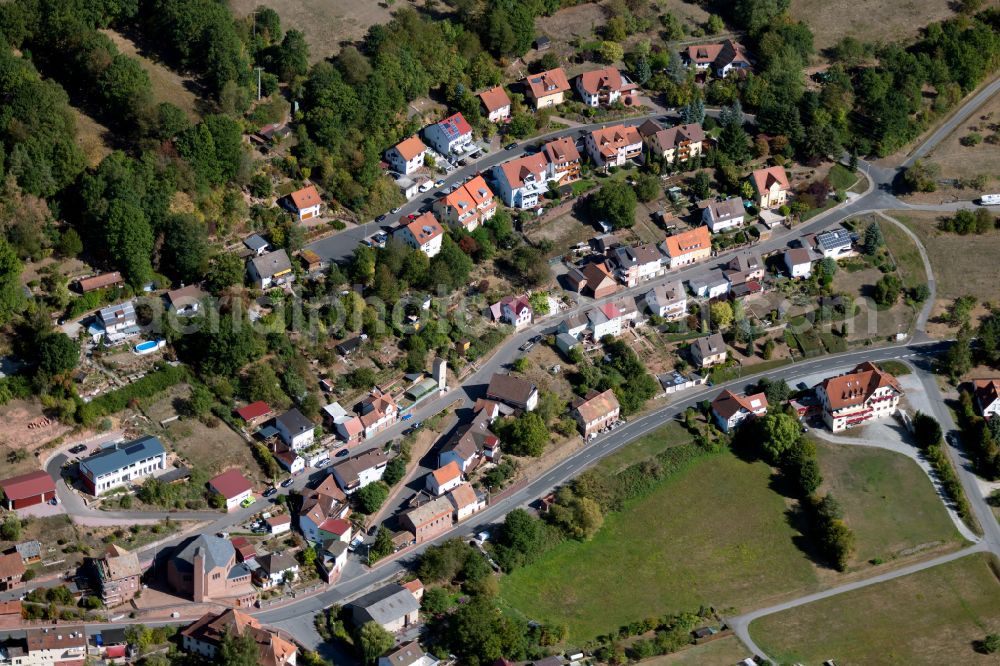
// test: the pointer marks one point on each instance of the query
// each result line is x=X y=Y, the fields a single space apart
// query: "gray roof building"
x=294 y=421
x=270 y=264
x=121 y=455
x=256 y=242
x=386 y=605
x=117 y=314
x=29 y=550
x=218 y=552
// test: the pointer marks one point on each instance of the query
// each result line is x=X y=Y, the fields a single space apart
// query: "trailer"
x=990 y=200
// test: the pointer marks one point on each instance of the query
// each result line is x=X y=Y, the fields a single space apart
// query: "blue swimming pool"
x=149 y=346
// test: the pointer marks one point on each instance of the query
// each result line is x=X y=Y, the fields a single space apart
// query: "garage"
x=28 y=490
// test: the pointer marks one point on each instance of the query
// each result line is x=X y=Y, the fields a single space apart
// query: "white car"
x=425 y=186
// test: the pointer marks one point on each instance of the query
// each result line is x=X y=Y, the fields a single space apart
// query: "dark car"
x=510 y=146
x=381 y=218
x=287 y=482
x=79 y=448
x=341 y=453
x=270 y=492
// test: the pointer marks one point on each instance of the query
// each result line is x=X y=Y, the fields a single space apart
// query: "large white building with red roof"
x=771 y=187
x=468 y=206
x=731 y=409
x=603 y=87
x=306 y=203
x=406 y=156
x=857 y=397
x=522 y=181
x=546 y=88
x=613 y=146
x=451 y=136
x=987 y=393
x=424 y=234
x=496 y=104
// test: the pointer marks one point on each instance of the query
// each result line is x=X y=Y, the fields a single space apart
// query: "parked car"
x=527 y=346
x=341 y=453
x=510 y=146
x=406 y=417
x=424 y=186
x=270 y=492
x=248 y=501
x=381 y=218
x=439 y=182
x=322 y=463
x=78 y=448
x=395 y=210
x=287 y=482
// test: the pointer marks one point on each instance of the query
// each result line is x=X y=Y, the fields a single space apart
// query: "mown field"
x=930 y=617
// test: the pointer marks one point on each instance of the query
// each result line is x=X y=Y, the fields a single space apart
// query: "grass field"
x=958 y=161
x=92 y=138
x=931 y=617
x=888 y=501
x=908 y=262
x=721 y=539
x=671 y=434
x=868 y=20
x=168 y=85
x=726 y=650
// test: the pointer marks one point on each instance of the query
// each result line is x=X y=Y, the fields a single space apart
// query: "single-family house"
x=723 y=214
x=575 y=325
x=605 y=319
x=467 y=206
x=407 y=156
x=709 y=350
x=377 y=412
x=274 y=569
x=61 y=646
x=256 y=244
x=306 y=203
x=771 y=187
x=668 y=301
x=408 y=654
x=345 y=425
x=332 y=559
x=271 y=269
x=101 y=281
x=673 y=144
x=746 y=266
x=471 y=443
x=319 y=504
x=835 y=244
x=122 y=463
x=233 y=486
x=798 y=261
x=12 y=570
x=392 y=606
x=429 y=519
x=598 y=280
x=338 y=529
x=279 y=524
x=859 y=396
x=596 y=412
x=26 y=490
x=287 y=457
x=466 y=501
x=444 y=478
x=205 y=637
x=513 y=391
x=495 y=103
x=546 y=89
x=731 y=409
x=117 y=322
x=720 y=58
x=245 y=551
x=604 y=87
x=688 y=247
x=295 y=429
x=563 y=160
x=713 y=284
x=522 y=181
x=185 y=301
x=255 y=413
x=451 y=136
x=987 y=394
x=357 y=471
x=424 y=234
x=513 y=310
x=613 y=146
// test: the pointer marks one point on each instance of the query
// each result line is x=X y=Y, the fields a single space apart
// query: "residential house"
x=513 y=391
x=117 y=322
x=279 y=524
x=306 y=203
x=604 y=87
x=256 y=244
x=473 y=442
x=575 y=325
x=275 y=569
x=332 y=559
x=633 y=265
x=546 y=89
x=673 y=144
x=721 y=59
x=597 y=280
x=349 y=346
x=798 y=261
x=287 y=457
x=563 y=160
x=122 y=463
x=392 y=606
x=566 y=343
x=204 y=637
x=835 y=244
x=613 y=146
x=30 y=551
x=185 y=301
x=424 y=234
x=496 y=104
x=337 y=529
x=713 y=284
x=233 y=486
x=204 y=568
x=58 y=646
x=11 y=571
x=408 y=654
x=102 y=281
x=466 y=501
x=987 y=394
x=771 y=187
x=668 y=301
x=513 y=310
x=295 y=429
x=649 y=262
x=709 y=350
x=723 y=215
x=345 y=425
x=357 y=471
x=522 y=181
x=444 y=478
x=746 y=266
x=468 y=206
x=255 y=413
x=688 y=247
x=406 y=156
x=859 y=396
x=116 y=575
x=731 y=409
x=271 y=269
x=596 y=412
x=604 y=320
x=430 y=519
x=377 y=412
x=29 y=489
x=245 y=551
x=319 y=504
x=451 y=136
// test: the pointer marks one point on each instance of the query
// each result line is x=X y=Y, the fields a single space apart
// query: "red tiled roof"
x=449 y=472
x=230 y=484
x=336 y=526
x=596 y=80
x=685 y=242
x=547 y=83
x=764 y=178
x=28 y=485
x=306 y=197
x=855 y=387
x=494 y=98
x=728 y=403
x=410 y=148
x=253 y=410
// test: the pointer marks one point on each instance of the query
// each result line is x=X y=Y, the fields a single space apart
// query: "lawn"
x=727 y=650
x=958 y=161
x=930 y=617
x=909 y=265
x=868 y=20
x=721 y=538
x=888 y=502
x=841 y=178
x=671 y=434
x=168 y=85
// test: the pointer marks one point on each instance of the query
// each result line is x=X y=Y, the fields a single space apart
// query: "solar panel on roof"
x=135 y=448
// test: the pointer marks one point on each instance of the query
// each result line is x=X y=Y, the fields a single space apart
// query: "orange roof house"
x=496 y=103
x=857 y=397
x=306 y=202
x=771 y=186
x=547 y=88
x=444 y=478
x=688 y=247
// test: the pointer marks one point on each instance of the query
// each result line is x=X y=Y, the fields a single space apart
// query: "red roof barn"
x=254 y=412
x=28 y=489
